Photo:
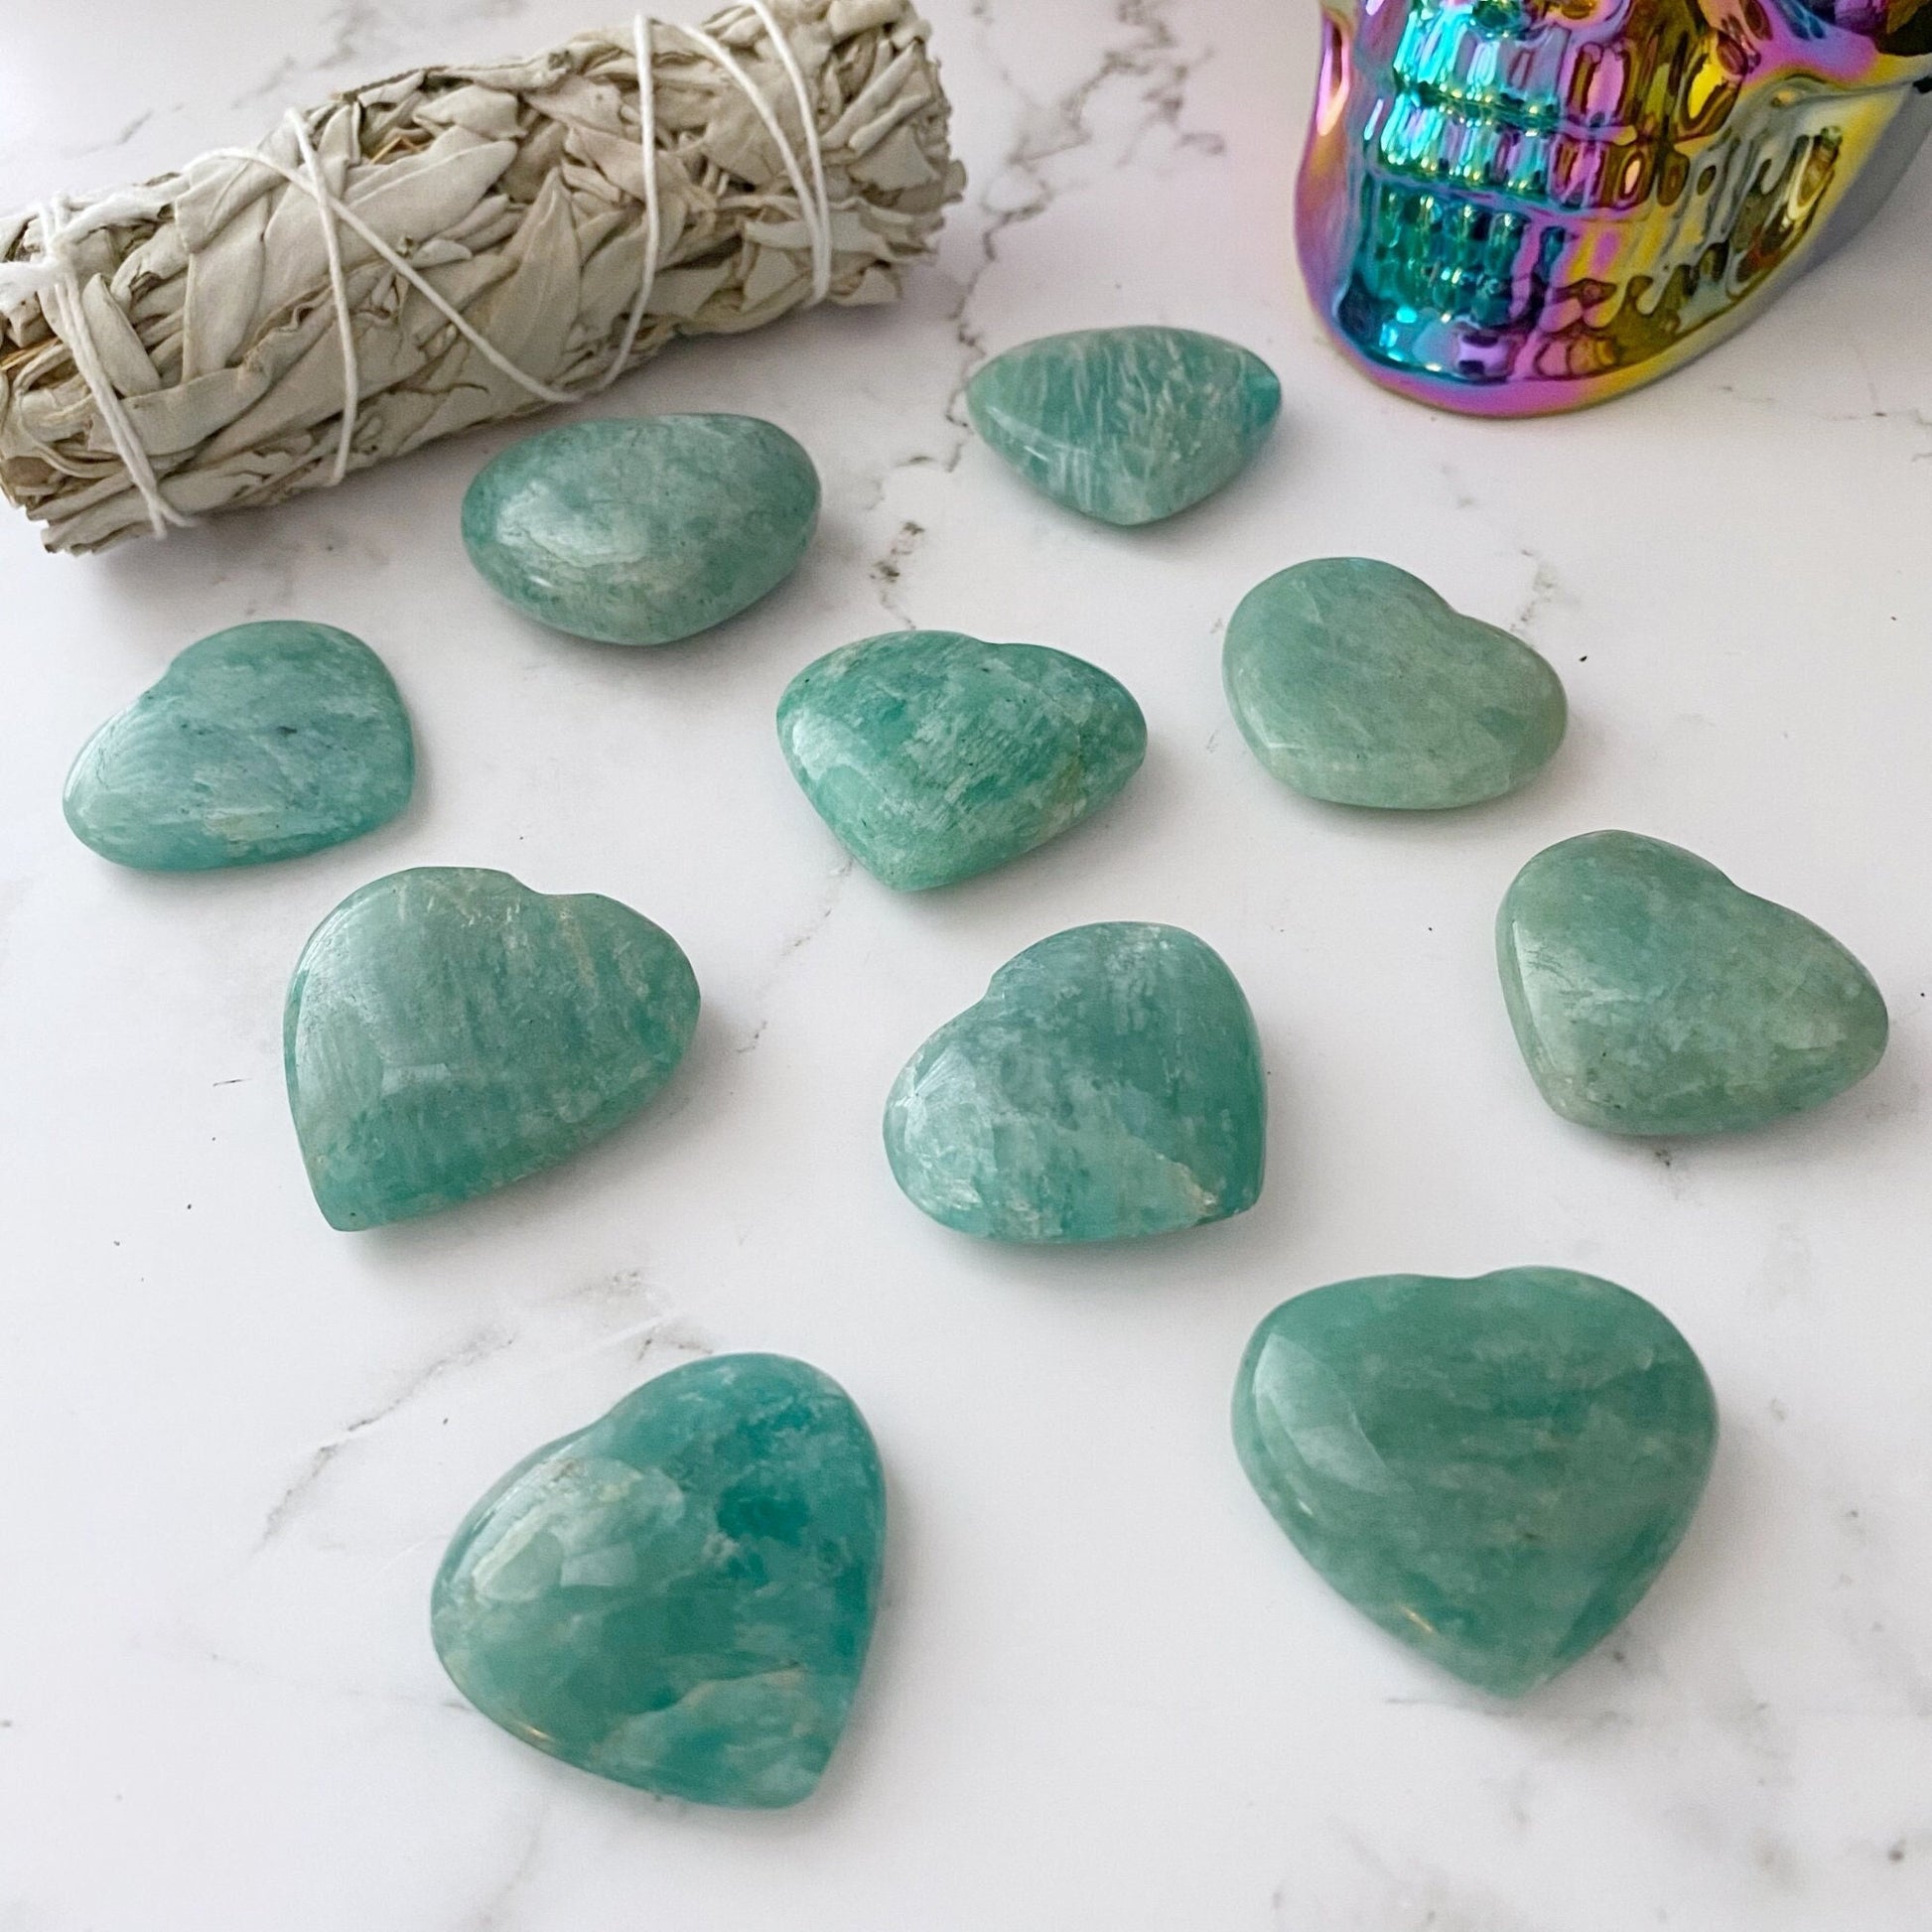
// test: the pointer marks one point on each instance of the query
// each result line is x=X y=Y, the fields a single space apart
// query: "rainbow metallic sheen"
x=1510 y=208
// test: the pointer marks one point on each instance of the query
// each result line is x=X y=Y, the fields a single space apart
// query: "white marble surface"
x=1105 y=1694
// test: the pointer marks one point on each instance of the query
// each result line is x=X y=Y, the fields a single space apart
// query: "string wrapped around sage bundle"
x=455 y=246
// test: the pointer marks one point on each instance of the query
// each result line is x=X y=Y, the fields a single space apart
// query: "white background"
x=1105 y=1692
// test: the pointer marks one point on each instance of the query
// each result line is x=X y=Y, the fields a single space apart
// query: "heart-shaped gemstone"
x=450 y=1031
x=679 y=1596
x=642 y=531
x=1494 y=1470
x=260 y=743
x=1126 y=425
x=1652 y=996
x=1354 y=682
x=1108 y=1085
x=935 y=756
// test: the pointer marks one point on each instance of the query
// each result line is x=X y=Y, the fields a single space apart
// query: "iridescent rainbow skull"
x=1510 y=207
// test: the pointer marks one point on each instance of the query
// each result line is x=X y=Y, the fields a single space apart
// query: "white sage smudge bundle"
x=455 y=246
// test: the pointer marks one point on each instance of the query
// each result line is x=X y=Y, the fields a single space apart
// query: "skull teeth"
x=1447 y=56
x=1426 y=140
x=1437 y=256
x=1429 y=252
x=1544 y=82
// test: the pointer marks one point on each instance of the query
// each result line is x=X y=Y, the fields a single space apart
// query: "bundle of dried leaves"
x=207 y=301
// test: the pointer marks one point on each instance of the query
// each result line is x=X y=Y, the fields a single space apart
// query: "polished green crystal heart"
x=1126 y=425
x=679 y=1596
x=450 y=1031
x=1652 y=996
x=642 y=531
x=935 y=756
x=1108 y=1085
x=1354 y=682
x=263 y=742
x=1494 y=1470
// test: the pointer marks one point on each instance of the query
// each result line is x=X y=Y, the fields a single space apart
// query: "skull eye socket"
x=1901 y=28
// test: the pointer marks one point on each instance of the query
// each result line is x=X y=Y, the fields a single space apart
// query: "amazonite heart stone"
x=448 y=1030
x=933 y=756
x=1355 y=682
x=1126 y=425
x=1494 y=1470
x=263 y=742
x=680 y=1596
x=1652 y=996
x=644 y=530
x=1108 y=1086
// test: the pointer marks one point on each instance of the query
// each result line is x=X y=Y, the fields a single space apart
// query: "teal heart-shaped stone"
x=1109 y=1085
x=933 y=756
x=263 y=742
x=1652 y=996
x=1494 y=1470
x=1354 y=682
x=645 y=531
x=1126 y=425
x=679 y=1596
x=450 y=1031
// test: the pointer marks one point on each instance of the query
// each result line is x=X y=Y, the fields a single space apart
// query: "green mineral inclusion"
x=933 y=756
x=680 y=1596
x=642 y=531
x=448 y=1030
x=1126 y=425
x=1493 y=1471
x=260 y=743
x=1354 y=682
x=1108 y=1086
x=1651 y=996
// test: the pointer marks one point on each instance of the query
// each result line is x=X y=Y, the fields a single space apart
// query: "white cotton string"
x=332 y=241
x=145 y=204
x=653 y=202
x=341 y=212
x=814 y=209
x=53 y=277
x=821 y=231
x=70 y=319
x=815 y=212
